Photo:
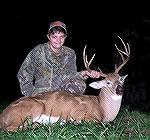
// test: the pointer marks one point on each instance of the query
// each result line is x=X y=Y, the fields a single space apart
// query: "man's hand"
x=91 y=73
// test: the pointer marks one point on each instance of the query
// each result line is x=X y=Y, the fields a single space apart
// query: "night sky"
x=98 y=29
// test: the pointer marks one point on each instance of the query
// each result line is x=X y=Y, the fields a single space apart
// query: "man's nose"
x=59 y=39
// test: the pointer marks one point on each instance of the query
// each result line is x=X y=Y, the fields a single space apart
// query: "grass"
x=127 y=126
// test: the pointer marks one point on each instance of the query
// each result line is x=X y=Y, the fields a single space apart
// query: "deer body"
x=51 y=106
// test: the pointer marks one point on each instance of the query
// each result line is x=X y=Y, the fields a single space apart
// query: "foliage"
x=127 y=125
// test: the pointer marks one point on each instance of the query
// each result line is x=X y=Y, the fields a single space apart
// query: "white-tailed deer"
x=53 y=106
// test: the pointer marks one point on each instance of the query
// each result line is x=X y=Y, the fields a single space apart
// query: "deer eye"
x=109 y=84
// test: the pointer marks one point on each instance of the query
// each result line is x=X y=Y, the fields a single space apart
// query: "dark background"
x=97 y=27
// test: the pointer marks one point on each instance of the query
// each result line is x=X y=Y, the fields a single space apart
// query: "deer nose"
x=119 y=90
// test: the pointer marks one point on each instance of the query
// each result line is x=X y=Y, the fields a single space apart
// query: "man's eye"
x=53 y=36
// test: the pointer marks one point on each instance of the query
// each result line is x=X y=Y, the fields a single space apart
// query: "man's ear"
x=48 y=36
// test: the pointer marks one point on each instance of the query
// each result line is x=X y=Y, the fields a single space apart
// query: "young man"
x=52 y=66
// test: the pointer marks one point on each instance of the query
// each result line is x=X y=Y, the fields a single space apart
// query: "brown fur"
x=64 y=104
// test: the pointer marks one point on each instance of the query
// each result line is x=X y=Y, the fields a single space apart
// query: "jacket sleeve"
x=72 y=80
x=25 y=76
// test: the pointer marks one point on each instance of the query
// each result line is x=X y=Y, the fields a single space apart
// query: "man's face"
x=57 y=39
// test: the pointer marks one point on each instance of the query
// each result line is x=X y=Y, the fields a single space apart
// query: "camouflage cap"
x=58 y=24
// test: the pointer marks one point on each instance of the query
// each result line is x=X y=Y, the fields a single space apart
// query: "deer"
x=62 y=105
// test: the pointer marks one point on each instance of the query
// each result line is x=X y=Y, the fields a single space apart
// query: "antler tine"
x=86 y=63
x=120 y=53
x=126 y=52
x=102 y=74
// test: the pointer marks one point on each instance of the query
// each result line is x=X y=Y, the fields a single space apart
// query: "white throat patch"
x=116 y=97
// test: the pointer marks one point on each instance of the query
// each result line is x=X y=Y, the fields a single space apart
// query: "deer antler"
x=122 y=53
x=86 y=63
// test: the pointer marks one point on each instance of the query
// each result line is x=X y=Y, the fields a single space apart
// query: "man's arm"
x=25 y=76
x=72 y=80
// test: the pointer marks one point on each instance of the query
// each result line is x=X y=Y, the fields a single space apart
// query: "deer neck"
x=110 y=102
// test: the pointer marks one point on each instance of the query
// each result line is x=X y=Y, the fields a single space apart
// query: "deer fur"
x=52 y=106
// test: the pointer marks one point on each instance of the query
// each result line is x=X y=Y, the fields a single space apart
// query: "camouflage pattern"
x=43 y=71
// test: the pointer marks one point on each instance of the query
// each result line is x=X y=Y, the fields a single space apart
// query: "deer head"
x=113 y=79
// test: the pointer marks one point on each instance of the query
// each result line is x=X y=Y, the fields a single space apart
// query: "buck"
x=62 y=105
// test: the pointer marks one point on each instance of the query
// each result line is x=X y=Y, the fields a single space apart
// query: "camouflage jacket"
x=42 y=71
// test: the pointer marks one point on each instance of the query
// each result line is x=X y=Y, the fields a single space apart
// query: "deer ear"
x=122 y=78
x=97 y=84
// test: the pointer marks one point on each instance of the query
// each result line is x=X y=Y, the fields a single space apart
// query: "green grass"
x=127 y=126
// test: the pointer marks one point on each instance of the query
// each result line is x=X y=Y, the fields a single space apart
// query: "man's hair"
x=57 y=29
